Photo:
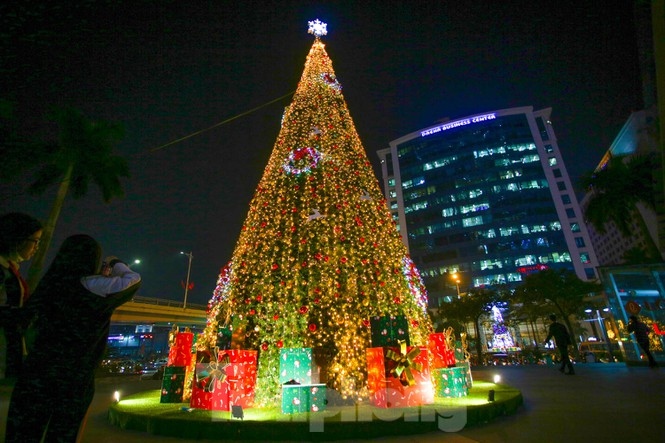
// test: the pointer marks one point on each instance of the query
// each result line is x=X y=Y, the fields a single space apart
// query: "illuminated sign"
x=526 y=270
x=458 y=123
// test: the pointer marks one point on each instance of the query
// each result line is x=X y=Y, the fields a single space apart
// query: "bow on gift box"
x=214 y=371
x=404 y=363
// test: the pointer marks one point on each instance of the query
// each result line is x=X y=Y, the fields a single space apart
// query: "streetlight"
x=189 y=269
x=456 y=279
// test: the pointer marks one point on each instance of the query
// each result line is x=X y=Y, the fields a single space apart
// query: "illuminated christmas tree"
x=319 y=253
x=502 y=340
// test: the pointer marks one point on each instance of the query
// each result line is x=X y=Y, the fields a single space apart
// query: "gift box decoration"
x=295 y=364
x=211 y=394
x=240 y=375
x=441 y=355
x=303 y=398
x=467 y=366
x=228 y=381
x=451 y=382
x=389 y=330
x=399 y=376
x=459 y=351
x=180 y=353
x=173 y=384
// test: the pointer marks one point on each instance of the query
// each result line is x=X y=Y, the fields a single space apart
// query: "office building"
x=485 y=197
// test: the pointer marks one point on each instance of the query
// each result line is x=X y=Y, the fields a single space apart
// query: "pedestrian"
x=19 y=237
x=641 y=332
x=72 y=307
x=562 y=340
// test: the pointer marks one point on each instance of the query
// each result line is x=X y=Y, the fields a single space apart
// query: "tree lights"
x=318 y=254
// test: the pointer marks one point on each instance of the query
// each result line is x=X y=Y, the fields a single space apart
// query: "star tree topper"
x=318 y=28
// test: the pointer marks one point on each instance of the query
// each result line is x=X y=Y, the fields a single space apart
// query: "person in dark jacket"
x=72 y=308
x=641 y=332
x=562 y=340
x=19 y=238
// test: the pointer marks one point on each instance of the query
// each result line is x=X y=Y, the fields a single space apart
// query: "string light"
x=318 y=254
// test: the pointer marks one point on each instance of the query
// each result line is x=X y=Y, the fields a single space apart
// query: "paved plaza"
x=602 y=402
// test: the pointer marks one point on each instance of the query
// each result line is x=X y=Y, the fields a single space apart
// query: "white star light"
x=318 y=28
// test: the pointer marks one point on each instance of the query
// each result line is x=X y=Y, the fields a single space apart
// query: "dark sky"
x=166 y=69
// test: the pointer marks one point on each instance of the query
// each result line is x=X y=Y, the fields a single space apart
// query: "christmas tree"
x=319 y=253
x=503 y=340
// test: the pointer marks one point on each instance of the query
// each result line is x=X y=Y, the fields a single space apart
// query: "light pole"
x=456 y=279
x=189 y=269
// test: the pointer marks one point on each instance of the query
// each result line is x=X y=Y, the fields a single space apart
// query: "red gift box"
x=180 y=354
x=441 y=356
x=388 y=390
x=213 y=396
x=235 y=388
x=240 y=375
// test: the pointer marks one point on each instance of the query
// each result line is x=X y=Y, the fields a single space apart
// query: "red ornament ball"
x=264 y=346
x=312 y=327
x=280 y=343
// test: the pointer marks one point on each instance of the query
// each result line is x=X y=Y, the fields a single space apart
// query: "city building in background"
x=485 y=199
x=635 y=138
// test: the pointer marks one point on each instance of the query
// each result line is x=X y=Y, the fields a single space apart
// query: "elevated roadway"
x=159 y=312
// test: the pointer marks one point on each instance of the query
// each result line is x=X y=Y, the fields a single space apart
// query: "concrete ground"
x=602 y=402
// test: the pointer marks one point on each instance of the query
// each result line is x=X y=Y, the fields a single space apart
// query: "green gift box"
x=173 y=384
x=450 y=382
x=469 y=378
x=389 y=330
x=295 y=364
x=303 y=398
x=459 y=351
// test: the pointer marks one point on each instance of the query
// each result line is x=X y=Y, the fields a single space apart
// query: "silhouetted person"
x=641 y=332
x=72 y=307
x=562 y=340
x=19 y=238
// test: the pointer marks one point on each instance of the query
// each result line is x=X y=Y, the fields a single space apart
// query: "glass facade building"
x=486 y=197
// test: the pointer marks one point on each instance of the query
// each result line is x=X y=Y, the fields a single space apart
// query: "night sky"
x=167 y=69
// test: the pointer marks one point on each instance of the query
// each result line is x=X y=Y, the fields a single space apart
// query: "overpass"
x=146 y=310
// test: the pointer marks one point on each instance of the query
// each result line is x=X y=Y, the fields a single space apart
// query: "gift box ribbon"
x=404 y=363
x=214 y=371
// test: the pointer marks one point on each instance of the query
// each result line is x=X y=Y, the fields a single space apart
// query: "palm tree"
x=82 y=154
x=616 y=189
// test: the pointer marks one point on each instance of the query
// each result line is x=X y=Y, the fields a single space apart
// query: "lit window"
x=552 y=161
x=472 y=221
x=448 y=212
